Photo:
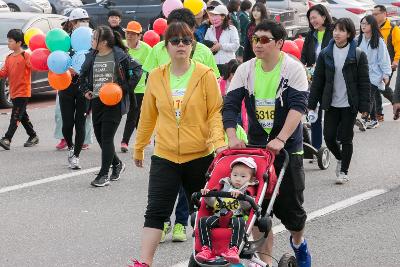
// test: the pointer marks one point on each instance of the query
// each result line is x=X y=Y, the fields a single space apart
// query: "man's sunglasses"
x=185 y=40
x=262 y=39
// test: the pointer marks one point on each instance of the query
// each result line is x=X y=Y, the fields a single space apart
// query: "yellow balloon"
x=30 y=33
x=196 y=6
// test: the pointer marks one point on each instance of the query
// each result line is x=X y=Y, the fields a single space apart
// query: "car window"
x=331 y=2
x=42 y=24
x=6 y=25
x=126 y=2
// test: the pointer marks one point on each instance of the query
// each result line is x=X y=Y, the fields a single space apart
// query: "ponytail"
x=113 y=38
x=118 y=41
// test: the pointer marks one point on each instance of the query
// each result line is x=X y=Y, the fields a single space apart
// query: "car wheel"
x=14 y=8
x=53 y=9
x=5 y=100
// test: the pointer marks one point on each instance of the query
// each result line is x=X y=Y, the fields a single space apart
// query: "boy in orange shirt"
x=17 y=68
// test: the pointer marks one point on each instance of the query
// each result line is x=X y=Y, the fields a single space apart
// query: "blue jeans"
x=316 y=131
x=181 y=209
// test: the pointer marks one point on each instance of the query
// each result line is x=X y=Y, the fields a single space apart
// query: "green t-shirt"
x=265 y=88
x=320 y=36
x=159 y=56
x=178 y=86
x=140 y=54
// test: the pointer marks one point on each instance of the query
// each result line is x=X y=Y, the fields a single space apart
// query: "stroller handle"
x=285 y=153
x=243 y=197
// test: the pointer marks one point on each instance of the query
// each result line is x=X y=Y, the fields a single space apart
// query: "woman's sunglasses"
x=262 y=39
x=185 y=40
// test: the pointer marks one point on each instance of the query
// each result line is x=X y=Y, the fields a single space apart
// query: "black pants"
x=338 y=126
x=388 y=94
x=105 y=132
x=132 y=118
x=19 y=114
x=207 y=223
x=166 y=178
x=373 y=106
x=73 y=109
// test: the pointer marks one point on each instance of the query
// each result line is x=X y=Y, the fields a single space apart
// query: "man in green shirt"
x=139 y=51
x=202 y=54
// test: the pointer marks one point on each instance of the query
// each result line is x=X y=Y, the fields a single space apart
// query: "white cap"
x=219 y=10
x=249 y=162
x=78 y=13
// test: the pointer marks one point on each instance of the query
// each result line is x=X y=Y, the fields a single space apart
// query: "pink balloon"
x=170 y=5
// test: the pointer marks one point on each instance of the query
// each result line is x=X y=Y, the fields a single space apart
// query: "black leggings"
x=73 y=109
x=338 y=126
x=207 y=223
x=18 y=114
x=105 y=132
x=132 y=118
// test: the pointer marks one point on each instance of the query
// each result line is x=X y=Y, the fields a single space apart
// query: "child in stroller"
x=243 y=171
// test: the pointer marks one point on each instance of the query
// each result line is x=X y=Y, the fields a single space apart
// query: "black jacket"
x=248 y=48
x=308 y=55
x=128 y=75
x=355 y=74
x=120 y=30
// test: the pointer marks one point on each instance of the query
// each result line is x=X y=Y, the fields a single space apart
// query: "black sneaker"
x=100 y=181
x=31 y=141
x=116 y=171
x=5 y=143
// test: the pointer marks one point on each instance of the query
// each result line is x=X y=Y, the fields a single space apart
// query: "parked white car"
x=394 y=4
x=4 y=7
x=36 y=6
x=353 y=9
x=299 y=6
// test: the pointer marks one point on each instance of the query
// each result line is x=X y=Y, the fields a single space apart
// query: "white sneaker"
x=342 y=179
x=372 y=124
x=70 y=155
x=338 y=167
x=361 y=123
x=74 y=165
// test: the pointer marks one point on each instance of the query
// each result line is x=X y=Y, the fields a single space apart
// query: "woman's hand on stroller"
x=236 y=193
x=275 y=146
x=204 y=191
x=233 y=141
x=138 y=163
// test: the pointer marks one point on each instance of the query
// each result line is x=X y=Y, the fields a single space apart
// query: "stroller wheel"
x=324 y=158
x=287 y=260
x=192 y=262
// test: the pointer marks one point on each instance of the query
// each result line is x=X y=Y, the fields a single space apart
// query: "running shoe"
x=101 y=181
x=303 y=256
x=5 y=143
x=62 y=145
x=204 y=255
x=338 y=167
x=137 y=263
x=166 y=230
x=116 y=171
x=85 y=147
x=33 y=140
x=342 y=179
x=74 y=164
x=380 y=117
x=372 y=124
x=70 y=155
x=361 y=123
x=124 y=147
x=231 y=255
x=179 y=233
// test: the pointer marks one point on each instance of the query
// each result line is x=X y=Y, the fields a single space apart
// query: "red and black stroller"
x=267 y=188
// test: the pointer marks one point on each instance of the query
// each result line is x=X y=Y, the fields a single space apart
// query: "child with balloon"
x=107 y=76
x=17 y=68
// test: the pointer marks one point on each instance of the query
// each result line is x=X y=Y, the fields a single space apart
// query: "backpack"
x=389 y=42
x=358 y=54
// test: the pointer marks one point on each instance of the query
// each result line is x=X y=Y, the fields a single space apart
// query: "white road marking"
x=322 y=212
x=47 y=180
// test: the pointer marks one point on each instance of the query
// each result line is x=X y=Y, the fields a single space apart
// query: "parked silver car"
x=4 y=7
x=58 y=6
x=37 y=6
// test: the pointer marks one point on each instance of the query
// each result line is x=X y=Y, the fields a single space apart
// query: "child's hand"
x=236 y=193
x=204 y=191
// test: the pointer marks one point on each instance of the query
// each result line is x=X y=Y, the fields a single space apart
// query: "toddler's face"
x=240 y=175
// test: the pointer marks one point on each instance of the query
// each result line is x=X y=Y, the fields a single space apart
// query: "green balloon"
x=58 y=39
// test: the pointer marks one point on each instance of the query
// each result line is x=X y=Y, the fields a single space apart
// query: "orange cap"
x=134 y=26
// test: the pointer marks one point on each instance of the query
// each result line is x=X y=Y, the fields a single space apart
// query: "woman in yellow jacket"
x=182 y=103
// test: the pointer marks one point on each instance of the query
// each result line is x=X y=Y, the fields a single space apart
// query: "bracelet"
x=283 y=141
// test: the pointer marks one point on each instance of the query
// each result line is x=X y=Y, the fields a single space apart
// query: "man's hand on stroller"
x=236 y=193
x=275 y=145
x=233 y=141
x=204 y=191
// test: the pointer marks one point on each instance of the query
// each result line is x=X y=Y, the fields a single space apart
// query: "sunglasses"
x=262 y=39
x=185 y=40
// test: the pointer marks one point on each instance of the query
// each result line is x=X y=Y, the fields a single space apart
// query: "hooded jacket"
x=129 y=73
x=199 y=130
x=355 y=74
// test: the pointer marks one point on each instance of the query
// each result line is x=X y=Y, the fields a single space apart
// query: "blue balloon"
x=77 y=60
x=59 y=62
x=81 y=39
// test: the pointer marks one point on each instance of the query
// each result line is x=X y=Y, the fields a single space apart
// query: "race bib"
x=177 y=96
x=265 y=112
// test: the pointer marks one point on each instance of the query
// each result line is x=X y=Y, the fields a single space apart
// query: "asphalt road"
x=63 y=221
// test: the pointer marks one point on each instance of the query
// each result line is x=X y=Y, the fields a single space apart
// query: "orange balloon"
x=110 y=94
x=60 y=81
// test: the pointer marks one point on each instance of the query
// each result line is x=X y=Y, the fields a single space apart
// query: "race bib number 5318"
x=265 y=112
